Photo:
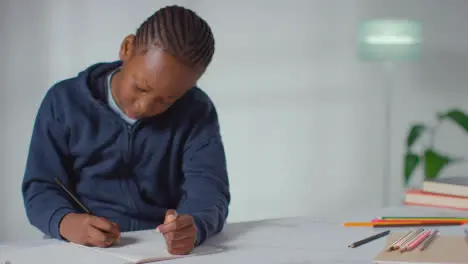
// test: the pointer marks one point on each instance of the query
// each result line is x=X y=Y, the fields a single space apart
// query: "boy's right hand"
x=89 y=230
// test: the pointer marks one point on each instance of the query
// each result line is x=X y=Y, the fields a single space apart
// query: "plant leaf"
x=434 y=163
x=414 y=133
x=456 y=116
x=411 y=162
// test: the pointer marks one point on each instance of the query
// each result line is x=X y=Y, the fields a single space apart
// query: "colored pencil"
x=421 y=217
x=417 y=224
x=407 y=240
x=364 y=224
x=466 y=235
x=369 y=239
x=416 y=241
x=429 y=240
x=394 y=244
x=422 y=220
x=399 y=223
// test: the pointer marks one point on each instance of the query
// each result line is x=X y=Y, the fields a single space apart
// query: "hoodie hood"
x=94 y=79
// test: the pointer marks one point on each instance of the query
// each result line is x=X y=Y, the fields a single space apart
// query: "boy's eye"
x=140 y=89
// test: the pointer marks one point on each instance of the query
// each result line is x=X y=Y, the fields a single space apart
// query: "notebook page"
x=56 y=253
x=148 y=246
x=4 y=250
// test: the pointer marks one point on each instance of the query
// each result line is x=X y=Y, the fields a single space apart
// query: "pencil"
x=86 y=209
x=369 y=239
x=400 y=223
x=429 y=240
x=419 y=224
x=421 y=218
x=464 y=221
x=392 y=246
x=364 y=224
x=416 y=241
x=408 y=239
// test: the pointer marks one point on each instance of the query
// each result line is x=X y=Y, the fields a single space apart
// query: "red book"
x=422 y=198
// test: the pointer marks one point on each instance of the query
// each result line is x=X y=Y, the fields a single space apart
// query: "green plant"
x=432 y=160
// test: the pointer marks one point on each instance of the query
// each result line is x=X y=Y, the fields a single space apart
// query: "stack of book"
x=444 y=193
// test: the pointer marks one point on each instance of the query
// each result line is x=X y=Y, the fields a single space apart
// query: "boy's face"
x=149 y=84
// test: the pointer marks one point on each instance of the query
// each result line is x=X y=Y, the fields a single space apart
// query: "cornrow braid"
x=179 y=31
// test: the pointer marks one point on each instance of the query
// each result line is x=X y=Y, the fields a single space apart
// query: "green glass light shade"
x=389 y=40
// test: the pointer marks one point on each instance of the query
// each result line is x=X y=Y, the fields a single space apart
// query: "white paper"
x=148 y=246
x=55 y=253
x=134 y=247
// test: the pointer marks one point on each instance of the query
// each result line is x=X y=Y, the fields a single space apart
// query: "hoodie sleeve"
x=206 y=186
x=45 y=203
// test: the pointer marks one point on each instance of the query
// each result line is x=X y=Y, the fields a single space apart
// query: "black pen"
x=369 y=239
x=86 y=209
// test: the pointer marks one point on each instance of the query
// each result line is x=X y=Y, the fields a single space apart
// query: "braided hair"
x=181 y=33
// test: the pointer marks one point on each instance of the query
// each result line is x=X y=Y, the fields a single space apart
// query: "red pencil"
x=380 y=225
x=421 y=221
x=400 y=223
x=416 y=241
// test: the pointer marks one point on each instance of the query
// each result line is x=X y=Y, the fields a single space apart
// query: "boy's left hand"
x=179 y=232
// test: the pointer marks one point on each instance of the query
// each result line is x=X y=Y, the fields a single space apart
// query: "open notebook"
x=55 y=253
x=135 y=247
x=443 y=249
x=146 y=247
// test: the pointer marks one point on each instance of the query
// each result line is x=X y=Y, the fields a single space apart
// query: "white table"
x=302 y=240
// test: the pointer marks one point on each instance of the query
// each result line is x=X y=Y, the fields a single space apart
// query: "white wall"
x=25 y=36
x=3 y=90
x=435 y=84
x=302 y=118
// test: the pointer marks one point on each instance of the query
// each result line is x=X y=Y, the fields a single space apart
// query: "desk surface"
x=301 y=240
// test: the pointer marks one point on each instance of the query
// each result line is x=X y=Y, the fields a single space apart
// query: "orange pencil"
x=363 y=224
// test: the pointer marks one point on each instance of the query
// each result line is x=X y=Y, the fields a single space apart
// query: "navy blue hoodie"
x=129 y=175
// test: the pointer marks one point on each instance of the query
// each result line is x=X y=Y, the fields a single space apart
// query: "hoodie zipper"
x=130 y=135
x=128 y=152
x=125 y=182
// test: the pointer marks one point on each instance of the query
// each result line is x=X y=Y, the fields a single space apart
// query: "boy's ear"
x=127 y=47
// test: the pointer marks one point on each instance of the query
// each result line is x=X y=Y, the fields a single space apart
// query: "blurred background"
x=303 y=119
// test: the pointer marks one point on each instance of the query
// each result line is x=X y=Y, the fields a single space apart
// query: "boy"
x=135 y=140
